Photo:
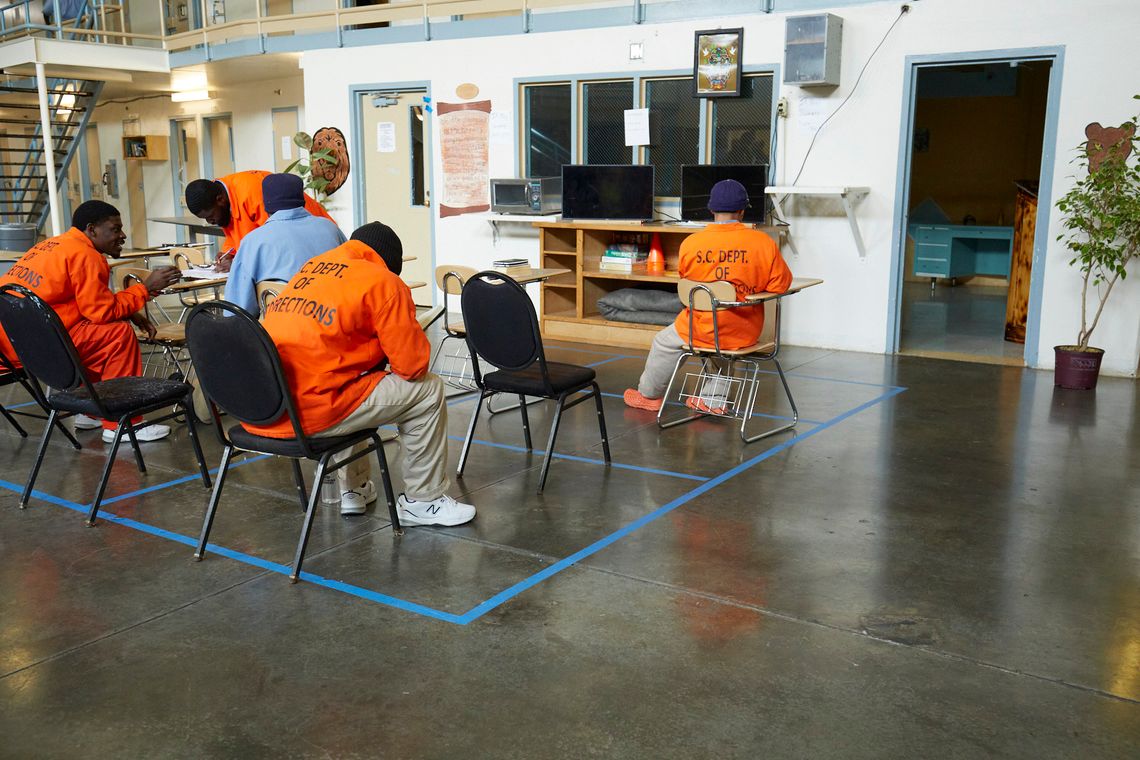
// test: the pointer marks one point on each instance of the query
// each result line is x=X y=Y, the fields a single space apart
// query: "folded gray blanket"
x=653 y=307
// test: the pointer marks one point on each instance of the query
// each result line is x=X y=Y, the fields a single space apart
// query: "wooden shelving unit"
x=146 y=148
x=568 y=309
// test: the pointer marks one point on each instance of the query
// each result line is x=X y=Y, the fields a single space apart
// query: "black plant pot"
x=1076 y=368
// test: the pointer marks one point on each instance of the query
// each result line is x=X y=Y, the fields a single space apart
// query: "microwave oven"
x=540 y=195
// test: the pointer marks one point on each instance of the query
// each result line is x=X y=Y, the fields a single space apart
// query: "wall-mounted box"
x=812 y=50
x=146 y=148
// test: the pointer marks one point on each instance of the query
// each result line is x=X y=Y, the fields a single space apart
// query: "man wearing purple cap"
x=725 y=250
x=278 y=248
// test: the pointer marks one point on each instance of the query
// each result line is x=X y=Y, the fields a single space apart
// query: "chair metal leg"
x=748 y=412
x=525 y=421
x=188 y=407
x=661 y=423
x=602 y=422
x=386 y=479
x=550 y=443
x=134 y=442
x=67 y=434
x=51 y=423
x=299 y=482
x=310 y=512
x=470 y=434
x=212 y=507
x=12 y=421
x=107 y=470
x=492 y=411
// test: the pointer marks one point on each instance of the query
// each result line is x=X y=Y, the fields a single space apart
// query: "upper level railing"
x=176 y=25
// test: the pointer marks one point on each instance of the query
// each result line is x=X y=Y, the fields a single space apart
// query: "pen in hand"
x=223 y=262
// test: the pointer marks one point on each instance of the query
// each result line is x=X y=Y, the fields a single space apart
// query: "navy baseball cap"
x=728 y=195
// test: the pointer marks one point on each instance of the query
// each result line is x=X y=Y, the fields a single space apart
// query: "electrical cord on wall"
x=902 y=12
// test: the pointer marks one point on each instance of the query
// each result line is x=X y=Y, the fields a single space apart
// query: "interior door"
x=219 y=132
x=185 y=165
x=136 y=202
x=397 y=165
x=285 y=125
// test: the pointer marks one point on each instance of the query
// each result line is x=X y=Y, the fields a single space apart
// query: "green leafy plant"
x=315 y=184
x=1101 y=214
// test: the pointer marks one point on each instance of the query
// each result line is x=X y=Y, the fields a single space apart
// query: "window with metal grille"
x=674 y=131
x=603 y=121
x=742 y=127
x=546 y=129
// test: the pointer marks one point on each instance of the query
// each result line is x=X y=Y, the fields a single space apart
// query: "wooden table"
x=798 y=284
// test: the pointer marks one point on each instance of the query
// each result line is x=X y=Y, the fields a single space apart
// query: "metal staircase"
x=23 y=174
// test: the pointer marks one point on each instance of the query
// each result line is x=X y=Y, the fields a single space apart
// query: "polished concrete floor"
x=957 y=321
x=942 y=561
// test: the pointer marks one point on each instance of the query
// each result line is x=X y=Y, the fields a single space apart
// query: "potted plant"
x=317 y=161
x=1101 y=214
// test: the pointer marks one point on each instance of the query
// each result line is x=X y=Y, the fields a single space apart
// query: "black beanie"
x=281 y=191
x=202 y=193
x=384 y=240
x=92 y=212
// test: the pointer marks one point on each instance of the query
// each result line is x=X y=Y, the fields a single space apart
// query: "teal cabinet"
x=960 y=250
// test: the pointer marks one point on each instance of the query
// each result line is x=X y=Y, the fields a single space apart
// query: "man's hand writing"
x=224 y=261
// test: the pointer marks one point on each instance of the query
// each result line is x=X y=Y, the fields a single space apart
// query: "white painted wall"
x=250 y=106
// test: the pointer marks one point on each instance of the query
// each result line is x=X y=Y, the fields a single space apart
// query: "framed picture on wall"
x=717 y=60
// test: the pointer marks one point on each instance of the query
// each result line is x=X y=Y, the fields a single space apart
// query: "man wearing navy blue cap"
x=278 y=248
x=725 y=250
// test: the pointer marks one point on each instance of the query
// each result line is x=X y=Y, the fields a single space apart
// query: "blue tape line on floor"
x=178 y=481
x=573 y=458
x=508 y=594
x=503 y=596
x=754 y=414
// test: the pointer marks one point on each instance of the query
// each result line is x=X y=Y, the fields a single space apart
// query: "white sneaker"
x=443 y=511
x=355 y=501
x=83 y=422
x=143 y=434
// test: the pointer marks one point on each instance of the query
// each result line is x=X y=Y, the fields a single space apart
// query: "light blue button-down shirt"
x=276 y=250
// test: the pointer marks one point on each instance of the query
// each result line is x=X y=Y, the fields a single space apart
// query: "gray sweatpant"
x=419 y=413
x=662 y=360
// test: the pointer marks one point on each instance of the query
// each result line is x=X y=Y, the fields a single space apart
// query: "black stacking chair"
x=502 y=330
x=48 y=355
x=240 y=372
x=10 y=374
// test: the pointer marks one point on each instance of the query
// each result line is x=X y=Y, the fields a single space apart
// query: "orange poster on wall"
x=464 y=129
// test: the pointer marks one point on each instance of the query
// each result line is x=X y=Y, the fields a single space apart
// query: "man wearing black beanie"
x=356 y=358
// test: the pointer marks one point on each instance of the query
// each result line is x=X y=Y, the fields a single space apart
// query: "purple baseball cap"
x=728 y=195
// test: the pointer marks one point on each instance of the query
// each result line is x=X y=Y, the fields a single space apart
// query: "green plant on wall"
x=315 y=184
x=1101 y=214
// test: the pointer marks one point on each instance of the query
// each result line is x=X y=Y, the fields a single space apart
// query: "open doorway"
x=971 y=208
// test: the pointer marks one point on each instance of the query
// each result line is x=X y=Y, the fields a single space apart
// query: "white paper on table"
x=637 y=126
x=501 y=133
x=204 y=273
x=386 y=137
x=287 y=148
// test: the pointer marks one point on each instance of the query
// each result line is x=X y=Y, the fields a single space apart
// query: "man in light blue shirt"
x=278 y=248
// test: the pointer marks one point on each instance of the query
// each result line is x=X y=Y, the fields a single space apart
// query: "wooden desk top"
x=185 y=286
x=536 y=275
x=193 y=222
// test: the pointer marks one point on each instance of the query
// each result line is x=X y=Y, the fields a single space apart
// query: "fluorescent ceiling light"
x=188 y=80
x=190 y=95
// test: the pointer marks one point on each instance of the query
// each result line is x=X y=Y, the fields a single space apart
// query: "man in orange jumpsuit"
x=356 y=358
x=234 y=203
x=70 y=273
x=724 y=250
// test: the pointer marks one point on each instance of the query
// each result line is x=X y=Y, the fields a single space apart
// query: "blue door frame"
x=1055 y=55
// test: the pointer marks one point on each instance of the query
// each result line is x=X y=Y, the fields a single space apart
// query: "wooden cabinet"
x=569 y=306
x=146 y=148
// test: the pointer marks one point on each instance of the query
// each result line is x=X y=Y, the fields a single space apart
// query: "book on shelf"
x=619 y=266
x=626 y=251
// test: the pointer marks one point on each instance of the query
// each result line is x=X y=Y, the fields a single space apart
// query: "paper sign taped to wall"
x=501 y=132
x=810 y=113
x=386 y=137
x=464 y=136
x=637 y=126
x=287 y=148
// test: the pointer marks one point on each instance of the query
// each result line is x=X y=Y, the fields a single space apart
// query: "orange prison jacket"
x=340 y=318
x=247 y=206
x=69 y=274
x=747 y=258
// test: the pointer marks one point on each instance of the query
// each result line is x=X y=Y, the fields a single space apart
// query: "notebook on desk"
x=203 y=273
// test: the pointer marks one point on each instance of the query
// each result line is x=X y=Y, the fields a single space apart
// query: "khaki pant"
x=662 y=360
x=419 y=413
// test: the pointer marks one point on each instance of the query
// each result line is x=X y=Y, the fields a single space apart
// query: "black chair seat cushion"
x=563 y=377
x=120 y=396
x=291 y=447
